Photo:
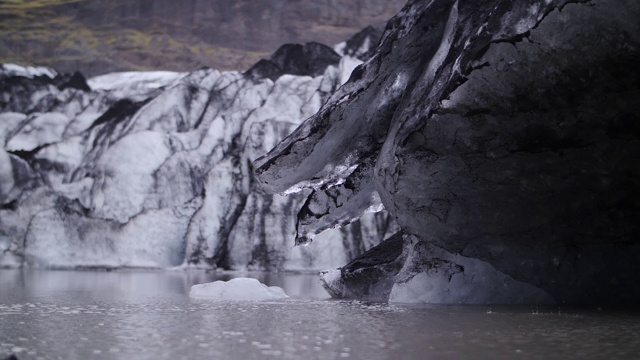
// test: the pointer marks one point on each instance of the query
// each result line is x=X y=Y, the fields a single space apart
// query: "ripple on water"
x=178 y=327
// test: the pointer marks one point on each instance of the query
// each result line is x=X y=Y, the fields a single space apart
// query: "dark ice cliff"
x=502 y=136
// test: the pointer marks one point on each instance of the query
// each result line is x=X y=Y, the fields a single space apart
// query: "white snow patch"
x=28 y=71
x=240 y=289
x=134 y=85
x=134 y=79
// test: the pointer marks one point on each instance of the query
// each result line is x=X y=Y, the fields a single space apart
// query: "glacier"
x=153 y=169
x=502 y=137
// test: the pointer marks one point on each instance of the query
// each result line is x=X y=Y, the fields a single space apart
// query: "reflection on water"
x=136 y=285
x=148 y=315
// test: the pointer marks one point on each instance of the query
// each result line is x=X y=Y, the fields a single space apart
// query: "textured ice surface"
x=40 y=129
x=238 y=289
x=131 y=84
x=153 y=169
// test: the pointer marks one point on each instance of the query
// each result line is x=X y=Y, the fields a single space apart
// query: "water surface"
x=148 y=315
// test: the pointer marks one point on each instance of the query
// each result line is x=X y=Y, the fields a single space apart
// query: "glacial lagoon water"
x=148 y=315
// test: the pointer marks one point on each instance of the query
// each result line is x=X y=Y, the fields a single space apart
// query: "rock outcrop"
x=310 y=59
x=503 y=138
x=154 y=169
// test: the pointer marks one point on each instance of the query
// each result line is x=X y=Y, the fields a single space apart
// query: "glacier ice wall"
x=495 y=131
x=154 y=169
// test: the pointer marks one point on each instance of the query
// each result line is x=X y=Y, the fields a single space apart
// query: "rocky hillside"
x=100 y=36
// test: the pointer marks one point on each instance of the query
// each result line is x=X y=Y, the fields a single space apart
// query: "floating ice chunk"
x=241 y=289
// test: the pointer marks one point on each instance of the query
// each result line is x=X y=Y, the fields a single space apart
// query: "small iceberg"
x=239 y=289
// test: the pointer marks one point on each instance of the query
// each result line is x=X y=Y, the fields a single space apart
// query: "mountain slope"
x=100 y=36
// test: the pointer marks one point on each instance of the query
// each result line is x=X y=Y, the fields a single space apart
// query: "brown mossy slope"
x=98 y=36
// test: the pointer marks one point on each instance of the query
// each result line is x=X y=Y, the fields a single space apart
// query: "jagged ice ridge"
x=153 y=169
